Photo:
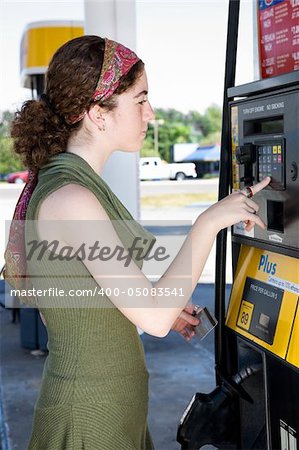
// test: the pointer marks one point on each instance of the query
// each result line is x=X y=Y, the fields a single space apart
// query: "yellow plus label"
x=245 y=315
x=274 y=149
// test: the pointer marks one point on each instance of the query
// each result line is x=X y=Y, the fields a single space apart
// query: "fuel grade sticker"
x=245 y=315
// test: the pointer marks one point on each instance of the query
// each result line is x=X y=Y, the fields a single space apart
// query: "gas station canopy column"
x=116 y=19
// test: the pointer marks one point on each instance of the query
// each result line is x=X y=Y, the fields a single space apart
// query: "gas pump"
x=263 y=318
x=256 y=403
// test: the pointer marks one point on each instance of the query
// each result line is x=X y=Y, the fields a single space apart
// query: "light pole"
x=156 y=123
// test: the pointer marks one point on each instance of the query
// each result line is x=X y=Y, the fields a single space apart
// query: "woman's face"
x=128 y=122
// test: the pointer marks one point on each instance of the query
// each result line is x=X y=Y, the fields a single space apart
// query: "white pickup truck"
x=153 y=168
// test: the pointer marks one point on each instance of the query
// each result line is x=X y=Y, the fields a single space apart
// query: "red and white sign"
x=278 y=26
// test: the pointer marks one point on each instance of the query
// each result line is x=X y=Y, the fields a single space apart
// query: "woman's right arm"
x=155 y=314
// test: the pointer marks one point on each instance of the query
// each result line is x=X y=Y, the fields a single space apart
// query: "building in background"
x=206 y=159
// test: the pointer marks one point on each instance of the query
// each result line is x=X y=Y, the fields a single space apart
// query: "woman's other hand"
x=185 y=323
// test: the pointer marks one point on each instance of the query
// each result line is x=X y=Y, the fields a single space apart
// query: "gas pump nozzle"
x=211 y=418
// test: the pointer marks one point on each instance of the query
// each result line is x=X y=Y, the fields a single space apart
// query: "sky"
x=181 y=42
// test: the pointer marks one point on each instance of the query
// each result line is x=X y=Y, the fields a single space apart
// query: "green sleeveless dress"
x=94 y=393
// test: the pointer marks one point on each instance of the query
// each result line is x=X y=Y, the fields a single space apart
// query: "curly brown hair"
x=42 y=128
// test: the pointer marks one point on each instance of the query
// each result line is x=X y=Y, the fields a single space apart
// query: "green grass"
x=173 y=200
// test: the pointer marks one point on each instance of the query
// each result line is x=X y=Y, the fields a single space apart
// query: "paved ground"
x=177 y=370
x=149 y=188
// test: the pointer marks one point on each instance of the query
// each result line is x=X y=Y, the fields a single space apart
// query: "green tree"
x=170 y=134
x=211 y=139
x=9 y=161
x=179 y=127
x=5 y=122
x=206 y=123
x=213 y=114
x=174 y=130
x=170 y=115
x=148 y=148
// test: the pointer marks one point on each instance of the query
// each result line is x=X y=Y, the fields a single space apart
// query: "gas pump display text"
x=261 y=290
x=261 y=108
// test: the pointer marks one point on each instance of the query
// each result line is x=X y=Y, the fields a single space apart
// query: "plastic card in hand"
x=207 y=323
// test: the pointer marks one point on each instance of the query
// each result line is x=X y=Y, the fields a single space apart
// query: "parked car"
x=18 y=177
x=3 y=176
x=153 y=168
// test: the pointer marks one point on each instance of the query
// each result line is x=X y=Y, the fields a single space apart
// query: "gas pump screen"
x=259 y=309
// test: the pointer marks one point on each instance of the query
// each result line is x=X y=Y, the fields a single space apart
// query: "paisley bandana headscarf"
x=117 y=62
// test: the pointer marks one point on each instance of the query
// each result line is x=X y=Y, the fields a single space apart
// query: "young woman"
x=94 y=392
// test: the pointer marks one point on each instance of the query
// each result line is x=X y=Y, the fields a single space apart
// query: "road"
x=149 y=188
x=9 y=192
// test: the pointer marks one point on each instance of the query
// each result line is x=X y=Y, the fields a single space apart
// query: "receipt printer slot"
x=275 y=216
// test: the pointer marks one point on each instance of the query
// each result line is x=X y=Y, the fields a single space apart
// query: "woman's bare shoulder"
x=71 y=201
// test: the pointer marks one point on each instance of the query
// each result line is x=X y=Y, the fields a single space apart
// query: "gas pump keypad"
x=271 y=163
